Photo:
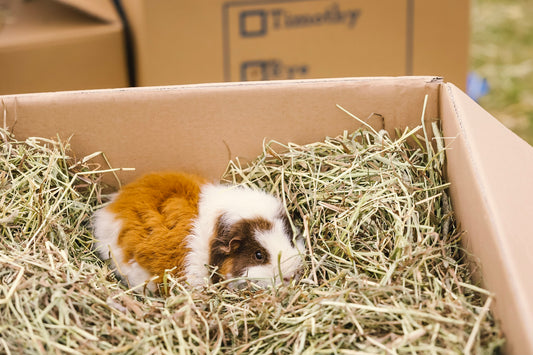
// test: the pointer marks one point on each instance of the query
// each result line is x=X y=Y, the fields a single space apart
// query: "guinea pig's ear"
x=225 y=240
x=232 y=246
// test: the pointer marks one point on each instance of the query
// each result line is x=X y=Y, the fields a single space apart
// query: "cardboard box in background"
x=60 y=45
x=213 y=41
x=490 y=168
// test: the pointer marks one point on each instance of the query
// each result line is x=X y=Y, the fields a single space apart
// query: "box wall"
x=441 y=39
x=192 y=127
x=490 y=174
x=258 y=40
x=92 y=63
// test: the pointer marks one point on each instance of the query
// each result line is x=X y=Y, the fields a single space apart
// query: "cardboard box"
x=213 y=41
x=191 y=128
x=62 y=45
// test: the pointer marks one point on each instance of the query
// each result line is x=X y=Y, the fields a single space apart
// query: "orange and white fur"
x=182 y=222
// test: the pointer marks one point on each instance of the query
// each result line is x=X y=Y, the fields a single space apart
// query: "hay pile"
x=384 y=272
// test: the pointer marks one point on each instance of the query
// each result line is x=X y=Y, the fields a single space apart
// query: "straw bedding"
x=384 y=271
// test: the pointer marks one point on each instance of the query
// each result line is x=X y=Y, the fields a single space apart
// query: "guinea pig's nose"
x=287 y=279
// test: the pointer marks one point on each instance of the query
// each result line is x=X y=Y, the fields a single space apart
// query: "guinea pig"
x=183 y=222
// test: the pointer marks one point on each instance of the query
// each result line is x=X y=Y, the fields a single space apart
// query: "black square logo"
x=254 y=70
x=253 y=23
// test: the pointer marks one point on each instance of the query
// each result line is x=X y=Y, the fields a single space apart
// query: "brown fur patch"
x=226 y=268
x=236 y=245
x=156 y=213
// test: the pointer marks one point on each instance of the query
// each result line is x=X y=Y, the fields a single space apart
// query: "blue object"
x=476 y=86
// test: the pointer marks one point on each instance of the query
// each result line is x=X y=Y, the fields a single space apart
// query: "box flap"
x=101 y=9
x=44 y=22
x=492 y=170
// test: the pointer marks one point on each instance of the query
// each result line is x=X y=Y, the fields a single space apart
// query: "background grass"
x=502 y=51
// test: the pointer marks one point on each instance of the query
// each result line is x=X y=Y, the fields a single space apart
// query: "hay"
x=384 y=270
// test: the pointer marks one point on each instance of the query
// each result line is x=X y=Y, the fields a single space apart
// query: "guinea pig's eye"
x=259 y=256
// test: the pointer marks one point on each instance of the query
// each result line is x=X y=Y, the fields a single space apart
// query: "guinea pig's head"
x=258 y=244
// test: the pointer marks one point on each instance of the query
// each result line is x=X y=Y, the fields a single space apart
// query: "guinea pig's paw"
x=136 y=275
x=106 y=229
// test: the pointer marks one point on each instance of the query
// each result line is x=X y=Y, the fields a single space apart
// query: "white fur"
x=106 y=231
x=236 y=204
x=283 y=257
x=136 y=275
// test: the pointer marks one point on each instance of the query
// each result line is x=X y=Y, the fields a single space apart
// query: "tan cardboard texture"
x=199 y=127
x=102 y=9
x=192 y=127
x=50 y=46
x=441 y=38
x=491 y=171
x=214 y=41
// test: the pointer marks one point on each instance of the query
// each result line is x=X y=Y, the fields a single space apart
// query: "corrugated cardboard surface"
x=198 y=128
x=491 y=170
x=239 y=40
x=49 y=46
